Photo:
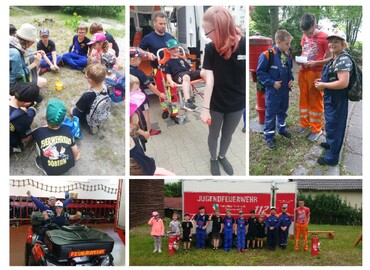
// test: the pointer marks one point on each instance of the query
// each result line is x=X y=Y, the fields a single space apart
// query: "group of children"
x=250 y=233
x=177 y=71
x=57 y=151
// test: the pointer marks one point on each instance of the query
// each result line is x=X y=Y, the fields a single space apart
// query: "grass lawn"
x=289 y=153
x=336 y=252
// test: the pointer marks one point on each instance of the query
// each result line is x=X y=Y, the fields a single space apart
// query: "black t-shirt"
x=175 y=66
x=85 y=102
x=216 y=223
x=47 y=49
x=229 y=91
x=54 y=147
x=20 y=127
x=260 y=228
x=144 y=80
x=186 y=228
x=252 y=222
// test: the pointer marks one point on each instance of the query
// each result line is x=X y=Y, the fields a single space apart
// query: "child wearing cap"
x=95 y=75
x=272 y=224
x=285 y=222
x=187 y=228
x=260 y=231
x=157 y=231
x=50 y=60
x=97 y=27
x=77 y=55
x=240 y=231
x=252 y=229
x=22 y=114
x=178 y=72
x=102 y=48
x=57 y=150
x=135 y=61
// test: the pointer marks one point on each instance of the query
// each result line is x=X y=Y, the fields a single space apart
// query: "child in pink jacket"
x=157 y=231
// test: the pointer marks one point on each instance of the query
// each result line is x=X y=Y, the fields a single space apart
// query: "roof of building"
x=329 y=184
x=173 y=203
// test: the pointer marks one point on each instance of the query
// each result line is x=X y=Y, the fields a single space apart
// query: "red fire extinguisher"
x=173 y=243
x=315 y=245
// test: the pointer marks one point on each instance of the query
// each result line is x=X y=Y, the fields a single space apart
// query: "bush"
x=330 y=209
x=109 y=11
x=74 y=21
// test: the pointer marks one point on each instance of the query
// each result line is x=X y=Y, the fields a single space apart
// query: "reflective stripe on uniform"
x=304 y=116
x=316 y=113
x=303 y=110
x=313 y=120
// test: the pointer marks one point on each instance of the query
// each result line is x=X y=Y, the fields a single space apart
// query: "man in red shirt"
x=302 y=214
x=311 y=103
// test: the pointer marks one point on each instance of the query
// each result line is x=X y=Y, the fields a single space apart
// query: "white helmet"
x=58 y=204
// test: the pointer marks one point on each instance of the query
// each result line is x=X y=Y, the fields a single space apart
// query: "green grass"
x=289 y=153
x=336 y=252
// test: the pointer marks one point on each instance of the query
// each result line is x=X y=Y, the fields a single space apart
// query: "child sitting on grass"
x=57 y=150
x=178 y=71
x=87 y=109
x=50 y=60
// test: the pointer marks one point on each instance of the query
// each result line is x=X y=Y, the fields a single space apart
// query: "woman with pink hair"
x=225 y=73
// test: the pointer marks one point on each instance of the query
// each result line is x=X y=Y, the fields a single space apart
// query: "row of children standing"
x=56 y=156
x=250 y=233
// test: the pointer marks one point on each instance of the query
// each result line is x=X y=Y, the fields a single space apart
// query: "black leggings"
x=228 y=122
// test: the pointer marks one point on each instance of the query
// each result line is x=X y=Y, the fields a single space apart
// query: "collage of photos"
x=199 y=171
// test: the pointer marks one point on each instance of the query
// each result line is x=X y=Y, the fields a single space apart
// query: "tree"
x=173 y=189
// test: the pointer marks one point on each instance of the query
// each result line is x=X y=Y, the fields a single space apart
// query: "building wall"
x=146 y=196
x=354 y=198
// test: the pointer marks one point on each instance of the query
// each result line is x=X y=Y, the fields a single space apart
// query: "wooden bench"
x=330 y=234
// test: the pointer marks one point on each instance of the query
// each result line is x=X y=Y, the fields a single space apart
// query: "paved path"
x=351 y=155
x=183 y=149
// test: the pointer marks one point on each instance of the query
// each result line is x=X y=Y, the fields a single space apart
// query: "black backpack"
x=355 y=82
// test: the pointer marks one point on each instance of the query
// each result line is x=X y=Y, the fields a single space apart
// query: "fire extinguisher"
x=315 y=245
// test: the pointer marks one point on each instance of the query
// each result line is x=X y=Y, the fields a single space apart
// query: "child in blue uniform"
x=272 y=224
x=241 y=224
x=285 y=222
x=278 y=80
x=228 y=231
x=201 y=224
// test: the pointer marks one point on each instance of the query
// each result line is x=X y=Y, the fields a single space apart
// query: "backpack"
x=116 y=88
x=355 y=82
x=99 y=111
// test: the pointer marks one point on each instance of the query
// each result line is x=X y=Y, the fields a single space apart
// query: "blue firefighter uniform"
x=201 y=221
x=228 y=233
x=277 y=101
x=336 y=108
x=272 y=221
x=285 y=221
x=241 y=222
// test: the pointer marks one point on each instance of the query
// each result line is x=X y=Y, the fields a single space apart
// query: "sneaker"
x=175 y=119
x=271 y=145
x=159 y=250
x=154 y=132
x=165 y=115
x=154 y=251
x=226 y=165
x=305 y=248
x=244 y=130
x=296 y=248
x=325 y=145
x=189 y=105
x=215 y=167
x=286 y=134
x=302 y=130
x=42 y=71
x=94 y=130
x=39 y=165
x=314 y=136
